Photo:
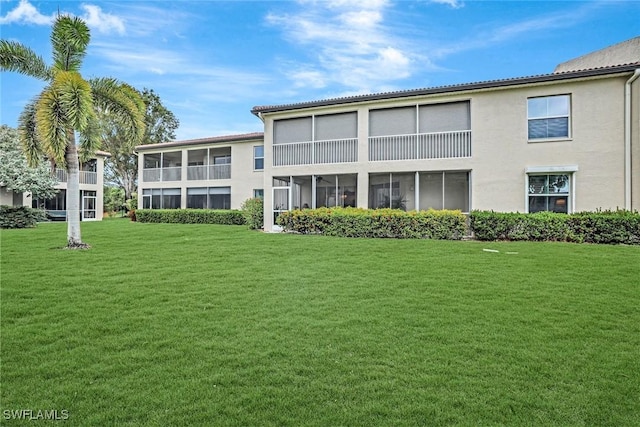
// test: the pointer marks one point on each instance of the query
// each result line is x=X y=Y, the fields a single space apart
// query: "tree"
x=67 y=107
x=15 y=173
x=121 y=168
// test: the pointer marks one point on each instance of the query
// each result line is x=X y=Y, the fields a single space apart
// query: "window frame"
x=569 y=171
x=255 y=158
x=549 y=116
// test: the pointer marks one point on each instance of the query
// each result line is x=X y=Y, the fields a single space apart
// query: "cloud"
x=95 y=18
x=26 y=13
x=456 y=4
x=347 y=44
x=103 y=22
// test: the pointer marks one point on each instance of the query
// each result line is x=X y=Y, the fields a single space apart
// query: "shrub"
x=190 y=216
x=591 y=227
x=390 y=223
x=20 y=216
x=253 y=213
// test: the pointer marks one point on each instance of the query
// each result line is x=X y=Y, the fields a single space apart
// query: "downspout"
x=627 y=139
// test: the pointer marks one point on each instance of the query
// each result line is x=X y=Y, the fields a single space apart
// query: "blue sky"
x=212 y=61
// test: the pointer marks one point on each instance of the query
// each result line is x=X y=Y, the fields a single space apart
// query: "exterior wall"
x=635 y=145
x=501 y=152
x=9 y=198
x=244 y=179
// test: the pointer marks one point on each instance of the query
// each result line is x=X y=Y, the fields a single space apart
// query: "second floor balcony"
x=86 y=177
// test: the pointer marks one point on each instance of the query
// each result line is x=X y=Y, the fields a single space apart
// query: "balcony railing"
x=162 y=174
x=439 y=145
x=313 y=152
x=86 y=177
x=220 y=171
x=151 y=175
x=172 y=173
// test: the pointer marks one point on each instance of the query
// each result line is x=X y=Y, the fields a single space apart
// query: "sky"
x=212 y=61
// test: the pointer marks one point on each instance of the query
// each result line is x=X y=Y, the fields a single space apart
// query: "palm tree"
x=66 y=108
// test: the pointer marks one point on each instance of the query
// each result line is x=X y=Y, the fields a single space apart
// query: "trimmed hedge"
x=190 y=216
x=611 y=227
x=389 y=223
x=20 y=216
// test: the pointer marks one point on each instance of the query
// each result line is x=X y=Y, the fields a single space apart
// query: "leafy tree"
x=121 y=168
x=67 y=107
x=113 y=199
x=15 y=173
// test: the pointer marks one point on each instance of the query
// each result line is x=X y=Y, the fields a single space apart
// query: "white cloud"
x=456 y=4
x=26 y=13
x=103 y=22
x=348 y=44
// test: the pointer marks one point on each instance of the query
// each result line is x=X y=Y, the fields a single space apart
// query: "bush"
x=190 y=216
x=253 y=213
x=590 y=227
x=20 y=216
x=389 y=223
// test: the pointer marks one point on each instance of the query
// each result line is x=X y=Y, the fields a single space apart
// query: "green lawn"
x=217 y=325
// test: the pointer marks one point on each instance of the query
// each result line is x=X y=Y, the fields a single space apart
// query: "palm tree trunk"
x=74 y=239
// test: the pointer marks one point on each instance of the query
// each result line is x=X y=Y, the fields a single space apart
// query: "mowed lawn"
x=162 y=324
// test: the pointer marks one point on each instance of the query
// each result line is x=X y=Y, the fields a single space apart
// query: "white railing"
x=220 y=171
x=308 y=153
x=86 y=177
x=208 y=172
x=437 y=145
x=172 y=174
x=196 y=173
x=151 y=175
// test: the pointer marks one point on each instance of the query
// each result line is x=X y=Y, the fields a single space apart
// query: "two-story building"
x=91 y=192
x=208 y=173
x=564 y=142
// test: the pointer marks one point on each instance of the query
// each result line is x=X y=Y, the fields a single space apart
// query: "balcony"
x=438 y=145
x=86 y=177
x=202 y=173
x=316 y=152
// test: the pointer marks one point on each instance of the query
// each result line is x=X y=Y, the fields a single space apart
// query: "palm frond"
x=70 y=37
x=75 y=99
x=52 y=126
x=29 y=135
x=19 y=58
x=123 y=103
x=90 y=140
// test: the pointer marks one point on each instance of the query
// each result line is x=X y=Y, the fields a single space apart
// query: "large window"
x=549 y=193
x=209 y=198
x=258 y=157
x=548 y=117
x=420 y=190
x=161 y=198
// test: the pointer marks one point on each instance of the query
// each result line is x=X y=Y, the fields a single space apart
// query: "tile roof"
x=208 y=140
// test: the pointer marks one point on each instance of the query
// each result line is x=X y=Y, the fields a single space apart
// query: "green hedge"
x=391 y=223
x=253 y=212
x=190 y=216
x=589 y=227
x=20 y=216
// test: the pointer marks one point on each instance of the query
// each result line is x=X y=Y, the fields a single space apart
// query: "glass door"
x=89 y=206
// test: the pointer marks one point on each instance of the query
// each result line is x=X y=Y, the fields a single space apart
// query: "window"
x=219 y=198
x=548 y=117
x=549 y=193
x=258 y=157
x=258 y=193
x=161 y=198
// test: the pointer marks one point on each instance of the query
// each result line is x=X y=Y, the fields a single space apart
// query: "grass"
x=217 y=325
